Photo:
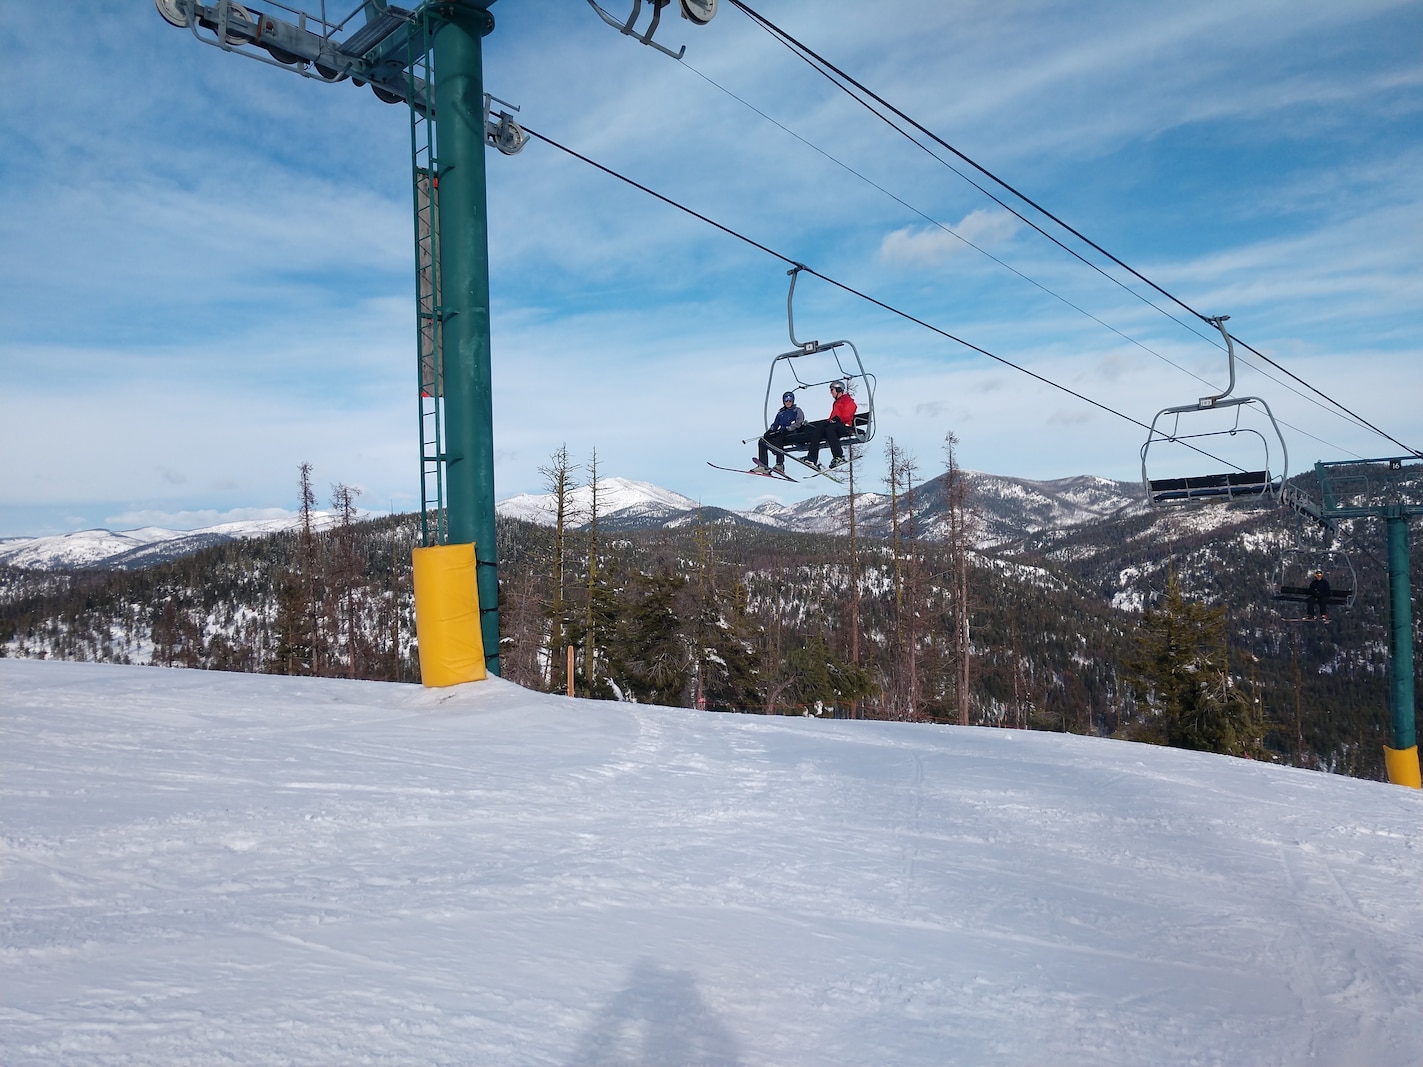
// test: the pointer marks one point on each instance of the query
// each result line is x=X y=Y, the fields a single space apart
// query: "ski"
x=768 y=473
x=825 y=472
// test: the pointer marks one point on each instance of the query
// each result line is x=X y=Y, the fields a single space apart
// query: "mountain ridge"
x=1008 y=509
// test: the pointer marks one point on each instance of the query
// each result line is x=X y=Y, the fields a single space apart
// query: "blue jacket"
x=788 y=418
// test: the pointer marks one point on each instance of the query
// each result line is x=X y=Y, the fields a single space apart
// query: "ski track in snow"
x=213 y=868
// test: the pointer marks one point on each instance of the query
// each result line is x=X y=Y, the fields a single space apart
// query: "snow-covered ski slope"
x=218 y=868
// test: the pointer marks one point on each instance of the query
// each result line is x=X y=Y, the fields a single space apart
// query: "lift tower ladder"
x=425 y=173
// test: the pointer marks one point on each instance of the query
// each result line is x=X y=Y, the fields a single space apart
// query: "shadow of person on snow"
x=658 y=1018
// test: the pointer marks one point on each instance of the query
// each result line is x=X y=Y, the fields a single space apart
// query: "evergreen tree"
x=647 y=654
x=298 y=607
x=823 y=678
x=1181 y=670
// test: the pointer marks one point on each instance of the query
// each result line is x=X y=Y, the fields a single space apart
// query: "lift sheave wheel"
x=699 y=11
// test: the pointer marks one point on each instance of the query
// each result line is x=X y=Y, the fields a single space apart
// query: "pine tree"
x=822 y=678
x=298 y=605
x=647 y=656
x=1180 y=669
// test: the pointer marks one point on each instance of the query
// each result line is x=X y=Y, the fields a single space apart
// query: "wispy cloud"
x=208 y=263
x=930 y=246
x=192 y=520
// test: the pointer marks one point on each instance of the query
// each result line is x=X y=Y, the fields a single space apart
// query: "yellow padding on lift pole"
x=1402 y=766
x=447 y=615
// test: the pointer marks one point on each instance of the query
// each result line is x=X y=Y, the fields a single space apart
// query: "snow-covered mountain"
x=1008 y=509
x=204 y=867
x=135 y=548
x=621 y=502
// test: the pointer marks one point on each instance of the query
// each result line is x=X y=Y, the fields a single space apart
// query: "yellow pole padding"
x=1402 y=766
x=447 y=615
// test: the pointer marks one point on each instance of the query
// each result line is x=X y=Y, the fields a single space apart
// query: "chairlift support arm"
x=1211 y=401
x=698 y=12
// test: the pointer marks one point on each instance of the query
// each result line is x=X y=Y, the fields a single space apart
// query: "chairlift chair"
x=810 y=364
x=1241 y=483
x=1298 y=564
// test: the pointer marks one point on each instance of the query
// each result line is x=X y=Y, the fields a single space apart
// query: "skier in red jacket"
x=841 y=423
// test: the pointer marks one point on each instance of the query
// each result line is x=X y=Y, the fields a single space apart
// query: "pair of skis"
x=771 y=472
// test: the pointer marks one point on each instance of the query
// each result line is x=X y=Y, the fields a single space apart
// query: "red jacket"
x=843 y=410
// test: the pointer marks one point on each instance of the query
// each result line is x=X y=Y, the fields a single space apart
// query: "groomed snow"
x=216 y=868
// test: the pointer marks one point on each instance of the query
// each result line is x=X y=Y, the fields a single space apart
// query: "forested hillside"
x=726 y=615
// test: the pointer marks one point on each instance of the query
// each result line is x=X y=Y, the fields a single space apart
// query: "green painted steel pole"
x=1405 y=733
x=464 y=284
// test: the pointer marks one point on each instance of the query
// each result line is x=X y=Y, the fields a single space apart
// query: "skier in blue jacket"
x=787 y=428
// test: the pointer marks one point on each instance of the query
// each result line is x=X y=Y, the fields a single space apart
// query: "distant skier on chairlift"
x=1317 y=600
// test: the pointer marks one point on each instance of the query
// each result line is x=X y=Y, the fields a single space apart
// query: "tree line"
x=724 y=615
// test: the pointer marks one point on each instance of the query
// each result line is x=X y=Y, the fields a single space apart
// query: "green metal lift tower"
x=430 y=58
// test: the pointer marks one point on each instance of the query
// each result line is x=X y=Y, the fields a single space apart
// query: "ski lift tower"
x=1392 y=490
x=429 y=58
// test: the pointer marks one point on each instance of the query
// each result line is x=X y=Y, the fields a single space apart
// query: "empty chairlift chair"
x=1251 y=479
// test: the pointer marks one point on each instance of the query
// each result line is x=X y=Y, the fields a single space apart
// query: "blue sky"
x=206 y=264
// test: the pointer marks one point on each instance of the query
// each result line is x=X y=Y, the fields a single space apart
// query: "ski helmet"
x=787 y=396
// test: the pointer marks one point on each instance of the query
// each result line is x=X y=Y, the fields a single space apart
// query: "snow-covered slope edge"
x=202 y=866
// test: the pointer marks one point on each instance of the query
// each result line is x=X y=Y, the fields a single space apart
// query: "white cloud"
x=220 y=286
x=930 y=246
x=191 y=520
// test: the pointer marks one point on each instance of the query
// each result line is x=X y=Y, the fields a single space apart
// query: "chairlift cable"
x=824 y=67
x=1033 y=281
x=944 y=226
x=851 y=290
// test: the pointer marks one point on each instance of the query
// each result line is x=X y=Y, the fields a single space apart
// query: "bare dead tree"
x=854 y=580
x=560 y=479
x=589 y=663
x=908 y=468
x=956 y=491
x=898 y=698
x=345 y=574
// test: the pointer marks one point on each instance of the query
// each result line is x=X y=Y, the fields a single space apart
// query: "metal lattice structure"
x=429 y=312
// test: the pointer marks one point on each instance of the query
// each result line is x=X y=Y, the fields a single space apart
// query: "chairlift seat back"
x=1298 y=594
x=1229 y=486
